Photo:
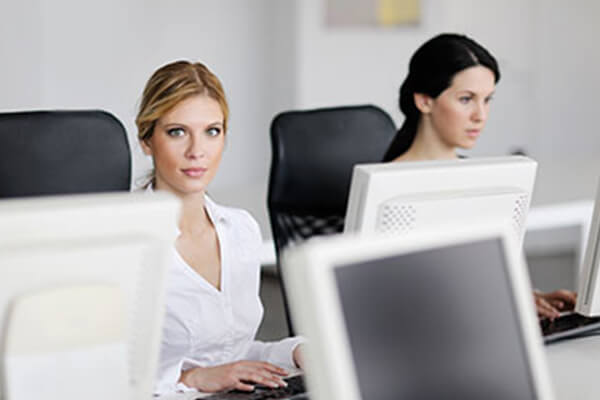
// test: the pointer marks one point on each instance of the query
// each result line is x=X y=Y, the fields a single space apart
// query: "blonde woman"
x=213 y=309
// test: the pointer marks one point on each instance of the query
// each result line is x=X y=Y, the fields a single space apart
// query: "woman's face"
x=459 y=113
x=186 y=145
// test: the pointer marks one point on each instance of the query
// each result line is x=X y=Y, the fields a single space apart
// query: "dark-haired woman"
x=446 y=101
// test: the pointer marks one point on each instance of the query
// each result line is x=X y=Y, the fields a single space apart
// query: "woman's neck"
x=428 y=146
x=194 y=217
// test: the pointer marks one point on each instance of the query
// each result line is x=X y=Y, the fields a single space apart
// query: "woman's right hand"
x=549 y=305
x=240 y=375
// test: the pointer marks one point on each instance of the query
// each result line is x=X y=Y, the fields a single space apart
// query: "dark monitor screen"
x=435 y=324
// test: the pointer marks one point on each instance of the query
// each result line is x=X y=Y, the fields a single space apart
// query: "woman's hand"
x=241 y=375
x=550 y=304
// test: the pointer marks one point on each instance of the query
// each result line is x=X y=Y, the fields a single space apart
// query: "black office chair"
x=313 y=153
x=62 y=152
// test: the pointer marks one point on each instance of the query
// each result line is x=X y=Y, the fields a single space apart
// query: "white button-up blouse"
x=207 y=327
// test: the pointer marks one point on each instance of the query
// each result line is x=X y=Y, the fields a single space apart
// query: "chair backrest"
x=313 y=153
x=62 y=152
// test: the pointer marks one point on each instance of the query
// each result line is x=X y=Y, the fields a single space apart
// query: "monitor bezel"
x=309 y=269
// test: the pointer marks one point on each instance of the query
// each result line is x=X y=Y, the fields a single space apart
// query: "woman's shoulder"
x=238 y=217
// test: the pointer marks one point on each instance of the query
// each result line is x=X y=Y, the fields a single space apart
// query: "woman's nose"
x=195 y=147
x=480 y=112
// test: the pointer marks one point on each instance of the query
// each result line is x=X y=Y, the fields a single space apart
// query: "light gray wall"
x=21 y=55
x=545 y=101
x=567 y=141
x=68 y=53
x=274 y=55
x=84 y=54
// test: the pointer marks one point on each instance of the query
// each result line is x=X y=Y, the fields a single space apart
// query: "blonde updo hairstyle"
x=170 y=85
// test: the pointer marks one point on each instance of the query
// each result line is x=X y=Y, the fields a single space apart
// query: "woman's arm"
x=240 y=375
x=282 y=352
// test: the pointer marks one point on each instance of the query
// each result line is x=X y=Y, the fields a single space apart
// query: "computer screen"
x=410 y=196
x=430 y=315
x=81 y=294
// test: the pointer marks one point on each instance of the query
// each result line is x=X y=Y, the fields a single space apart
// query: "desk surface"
x=574 y=366
x=573 y=363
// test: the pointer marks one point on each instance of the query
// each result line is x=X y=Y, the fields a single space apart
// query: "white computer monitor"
x=411 y=196
x=588 y=298
x=81 y=294
x=446 y=313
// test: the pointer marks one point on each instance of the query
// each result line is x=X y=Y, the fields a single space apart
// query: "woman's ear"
x=146 y=148
x=423 y=102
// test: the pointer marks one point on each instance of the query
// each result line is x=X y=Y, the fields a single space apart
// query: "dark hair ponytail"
x=431 y=70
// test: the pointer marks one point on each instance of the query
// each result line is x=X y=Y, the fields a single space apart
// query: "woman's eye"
x=213 y=131
x=464 y=99
x=488 y=99
x=176 y=132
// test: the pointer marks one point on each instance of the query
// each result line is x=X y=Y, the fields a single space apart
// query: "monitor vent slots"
x=397 y=218
x=520 y=213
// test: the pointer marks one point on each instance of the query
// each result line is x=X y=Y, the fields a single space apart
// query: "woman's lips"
x=195 y=172
x=473 y=133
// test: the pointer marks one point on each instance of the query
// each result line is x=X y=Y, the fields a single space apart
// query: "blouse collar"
x=215 y=212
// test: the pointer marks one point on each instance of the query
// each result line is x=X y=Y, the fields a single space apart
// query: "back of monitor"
x=53 y=248
x=67 y=340
x=412 y=196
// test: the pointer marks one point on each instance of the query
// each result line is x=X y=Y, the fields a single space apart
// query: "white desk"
x=575 y=367
x=545 y=229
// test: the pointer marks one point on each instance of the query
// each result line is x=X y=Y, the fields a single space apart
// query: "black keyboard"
x=568 y=325
x=295 y=390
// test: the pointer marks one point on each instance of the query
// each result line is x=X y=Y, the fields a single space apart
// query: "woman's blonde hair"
x=171 y=84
